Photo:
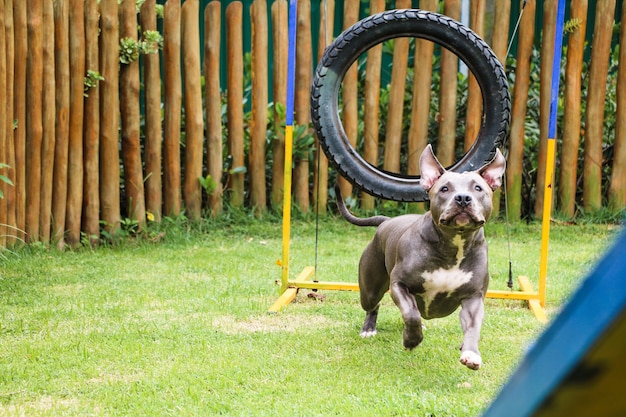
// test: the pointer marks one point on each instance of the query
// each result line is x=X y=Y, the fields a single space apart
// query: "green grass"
x=181 y=328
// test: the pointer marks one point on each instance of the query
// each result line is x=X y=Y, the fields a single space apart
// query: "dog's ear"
x=430 y=168
x=493 y=171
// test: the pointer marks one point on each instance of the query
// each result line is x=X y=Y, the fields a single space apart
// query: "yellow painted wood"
x=320 y=285
x=545 y=226
x=285 y=298
x=535 y=305
x=286 y=208
x=513 y=295
x=306 y=274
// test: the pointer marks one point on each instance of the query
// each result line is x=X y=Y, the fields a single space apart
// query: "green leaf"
x=6 y=179
x=208 y=183
x=238 y=170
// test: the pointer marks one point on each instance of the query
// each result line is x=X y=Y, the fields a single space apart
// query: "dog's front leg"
x=412 y=335
x=472 y=313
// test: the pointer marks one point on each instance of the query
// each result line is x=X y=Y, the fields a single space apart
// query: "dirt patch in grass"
x=44 y=403
x=272 y=323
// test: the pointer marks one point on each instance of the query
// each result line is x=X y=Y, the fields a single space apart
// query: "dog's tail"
x=359 y=221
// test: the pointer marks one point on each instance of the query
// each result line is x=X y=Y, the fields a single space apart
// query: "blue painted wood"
x=594 y=309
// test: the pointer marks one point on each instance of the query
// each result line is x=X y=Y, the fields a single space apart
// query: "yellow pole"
x=286 y=208
x=545 y=225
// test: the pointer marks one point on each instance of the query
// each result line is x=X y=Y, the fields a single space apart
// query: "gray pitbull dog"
x=435 y=262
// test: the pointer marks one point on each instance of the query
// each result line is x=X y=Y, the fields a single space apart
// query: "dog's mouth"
x=461 y=219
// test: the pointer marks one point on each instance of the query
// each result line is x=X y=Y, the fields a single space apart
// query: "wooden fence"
x=90 y=140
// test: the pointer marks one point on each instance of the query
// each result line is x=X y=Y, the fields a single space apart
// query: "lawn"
x=180 y=326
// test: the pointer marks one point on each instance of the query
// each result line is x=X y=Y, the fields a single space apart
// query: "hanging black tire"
x=442 y=30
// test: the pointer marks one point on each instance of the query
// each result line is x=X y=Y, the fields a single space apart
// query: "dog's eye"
x=444 y=189
x=478 y=188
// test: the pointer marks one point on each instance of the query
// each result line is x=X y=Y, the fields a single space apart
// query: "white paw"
x=471 y=359
x=368 y=333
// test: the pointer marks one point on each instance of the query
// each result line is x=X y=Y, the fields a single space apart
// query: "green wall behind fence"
x=316 y=7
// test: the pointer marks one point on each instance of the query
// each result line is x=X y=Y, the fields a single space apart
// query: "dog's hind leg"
x=369 y=326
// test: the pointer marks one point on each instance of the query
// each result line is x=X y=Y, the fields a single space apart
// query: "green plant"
x=572 y=25
x=208 y=184
x=91 y=80
x=131 y=49
x=4 y=178
x=152 y=42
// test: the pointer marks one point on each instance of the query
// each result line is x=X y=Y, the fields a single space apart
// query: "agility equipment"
x=489 y=73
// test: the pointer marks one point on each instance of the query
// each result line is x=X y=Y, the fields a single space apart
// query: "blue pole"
x=291 y=60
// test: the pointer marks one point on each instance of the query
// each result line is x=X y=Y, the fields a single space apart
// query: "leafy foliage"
x=4 y=178
x=131 y=49
x=92 y=79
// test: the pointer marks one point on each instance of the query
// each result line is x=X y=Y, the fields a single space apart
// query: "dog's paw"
x=471 y=359
x=368 y=333
x=412 y=336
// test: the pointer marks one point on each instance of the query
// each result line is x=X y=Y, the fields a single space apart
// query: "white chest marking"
x=445 y=280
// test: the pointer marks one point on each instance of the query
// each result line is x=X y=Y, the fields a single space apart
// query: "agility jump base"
x=535 y=300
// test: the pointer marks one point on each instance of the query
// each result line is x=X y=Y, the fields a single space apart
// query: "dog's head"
x=460 y=200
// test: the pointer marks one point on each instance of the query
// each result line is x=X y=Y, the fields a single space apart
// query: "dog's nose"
x=463 y=200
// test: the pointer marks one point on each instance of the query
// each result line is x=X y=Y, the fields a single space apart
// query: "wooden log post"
x=545 y=90
x=572 y=112
x=617 y=185
x=152 y=131
x=109 y=118
x=34 y=116
x=420 y=107
x=19 y=134
x=9 y=193
x=213 y=103
x=350 y=93
x=172 y=98
x=91 y=130
x=4 y=145
x=320 y=173
x=447 y=94
x=596 y=94
x=62 y=126
x=129 y=110
x=194 y=124
x=279 y=86
x=473 y=117
x=372 y=105
x=393 y=138
x=234 y=51
x=500 y=41
x=302 y=108
x=518 y=112
x=48 y=123
x=75 y=169
x=258 y=127
x=500 y=36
